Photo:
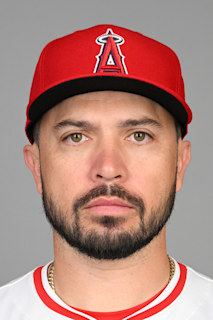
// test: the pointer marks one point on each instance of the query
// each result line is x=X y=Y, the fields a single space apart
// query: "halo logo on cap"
x=110 y=59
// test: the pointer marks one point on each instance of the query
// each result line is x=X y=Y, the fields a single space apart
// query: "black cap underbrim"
x=67 y=89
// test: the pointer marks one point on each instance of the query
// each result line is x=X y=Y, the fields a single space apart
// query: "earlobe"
x=184 y=156
x=32 y=160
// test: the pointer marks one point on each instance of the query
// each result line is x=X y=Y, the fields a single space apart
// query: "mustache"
x=112 y=190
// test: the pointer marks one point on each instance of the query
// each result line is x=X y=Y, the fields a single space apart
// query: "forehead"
x=103 y=104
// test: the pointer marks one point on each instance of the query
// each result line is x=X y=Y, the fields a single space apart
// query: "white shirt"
x=188 y=296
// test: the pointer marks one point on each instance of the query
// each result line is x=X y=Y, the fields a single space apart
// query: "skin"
x=109 y=153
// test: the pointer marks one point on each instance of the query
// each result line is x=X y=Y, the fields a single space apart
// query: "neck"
x=81 y=281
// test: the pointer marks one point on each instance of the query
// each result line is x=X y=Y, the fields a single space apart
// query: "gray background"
x=25 y=27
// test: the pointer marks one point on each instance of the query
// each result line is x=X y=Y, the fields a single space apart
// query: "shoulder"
x=197 y=294
x=198 y=281
x=18 y=284
x=16 y=296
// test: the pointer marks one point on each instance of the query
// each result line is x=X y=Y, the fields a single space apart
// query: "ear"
x=32 y=160
x=184 y=156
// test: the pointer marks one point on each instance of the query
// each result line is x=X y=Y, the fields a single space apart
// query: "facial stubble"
x=114 y=242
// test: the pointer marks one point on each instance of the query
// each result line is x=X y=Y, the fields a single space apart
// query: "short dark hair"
x=36 y=132
x=178 y=128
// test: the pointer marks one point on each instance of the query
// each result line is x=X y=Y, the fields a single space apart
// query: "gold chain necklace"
x=172 y=268
x=50 y=276
x=51 y=272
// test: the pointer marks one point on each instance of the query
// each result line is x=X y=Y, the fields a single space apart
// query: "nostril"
x=108 y=178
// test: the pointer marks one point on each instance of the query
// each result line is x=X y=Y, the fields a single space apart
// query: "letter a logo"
x=110 y=58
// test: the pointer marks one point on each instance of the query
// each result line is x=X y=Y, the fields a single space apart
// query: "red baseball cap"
x=107 y=57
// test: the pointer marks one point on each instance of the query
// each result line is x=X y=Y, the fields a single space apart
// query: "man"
x=106 y=118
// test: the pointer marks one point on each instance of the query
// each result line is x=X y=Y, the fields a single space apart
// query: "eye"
x=139 y=136
x=76 y=138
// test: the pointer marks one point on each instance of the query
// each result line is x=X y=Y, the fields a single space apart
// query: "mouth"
x=108 y=206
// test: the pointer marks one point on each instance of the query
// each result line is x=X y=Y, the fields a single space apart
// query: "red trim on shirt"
x=111 y=315
x=48 y=301
x=165 y=303
x=120 y=314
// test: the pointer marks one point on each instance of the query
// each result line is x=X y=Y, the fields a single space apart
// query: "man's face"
x=108 y=163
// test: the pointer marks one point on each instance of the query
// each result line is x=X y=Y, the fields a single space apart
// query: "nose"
x=109 y=165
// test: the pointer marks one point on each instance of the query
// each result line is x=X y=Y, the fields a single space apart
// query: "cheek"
x=153 y=177
x=62 y=177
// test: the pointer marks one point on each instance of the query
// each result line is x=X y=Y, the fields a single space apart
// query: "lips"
x=108 y=206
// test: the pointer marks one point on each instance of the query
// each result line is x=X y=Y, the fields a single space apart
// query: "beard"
x=113 y=242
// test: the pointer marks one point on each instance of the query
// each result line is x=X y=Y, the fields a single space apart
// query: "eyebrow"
x=123 y=124
x=139 y=122
x=78 y=124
